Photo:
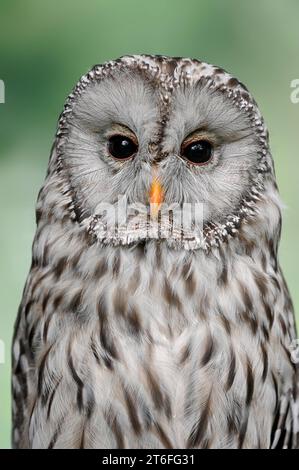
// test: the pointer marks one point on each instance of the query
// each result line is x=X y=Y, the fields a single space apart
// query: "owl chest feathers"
x=170 y=348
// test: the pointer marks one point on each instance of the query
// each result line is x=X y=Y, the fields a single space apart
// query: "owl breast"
x=135 y=351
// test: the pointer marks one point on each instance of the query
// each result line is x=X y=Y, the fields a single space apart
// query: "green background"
x=46 y=45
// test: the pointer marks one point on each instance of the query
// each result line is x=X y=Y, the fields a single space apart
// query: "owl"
x=155 y=314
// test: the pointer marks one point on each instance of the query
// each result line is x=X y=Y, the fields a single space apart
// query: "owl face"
x=167 y=137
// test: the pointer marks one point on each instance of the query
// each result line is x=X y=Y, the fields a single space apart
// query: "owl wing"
x=23 y=365
x=285 y=430
x=285 y=427
x=27 y=332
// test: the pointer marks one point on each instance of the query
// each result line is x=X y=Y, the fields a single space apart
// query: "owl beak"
x=156 y=197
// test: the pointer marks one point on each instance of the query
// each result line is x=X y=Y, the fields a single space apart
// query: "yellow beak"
x=156 y=197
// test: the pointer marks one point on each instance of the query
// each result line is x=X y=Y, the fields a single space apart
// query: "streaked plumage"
x=134 y=340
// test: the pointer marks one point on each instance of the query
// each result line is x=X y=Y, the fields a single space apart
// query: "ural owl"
x=155 y=313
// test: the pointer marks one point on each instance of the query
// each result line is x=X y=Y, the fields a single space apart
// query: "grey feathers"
x=154 y=335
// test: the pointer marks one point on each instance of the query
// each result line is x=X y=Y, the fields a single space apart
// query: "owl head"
x=158 y=147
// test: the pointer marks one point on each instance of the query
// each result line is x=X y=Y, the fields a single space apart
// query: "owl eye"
x=198 y=152
x=121 y=147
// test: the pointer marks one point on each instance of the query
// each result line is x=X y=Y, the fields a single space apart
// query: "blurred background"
x=46 y=46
